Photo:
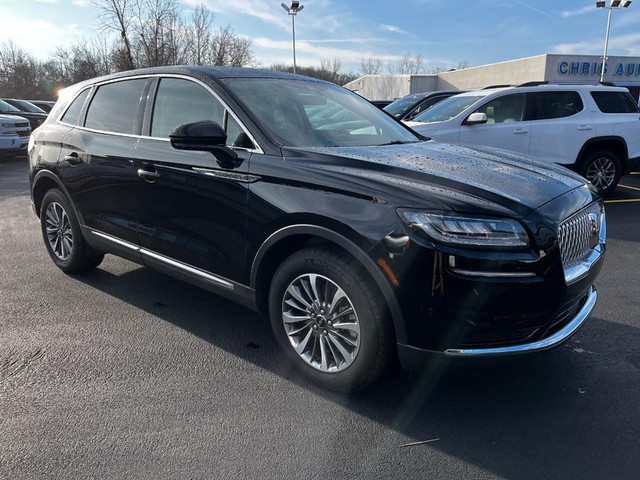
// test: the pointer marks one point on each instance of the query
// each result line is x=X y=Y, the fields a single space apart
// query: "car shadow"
x=538 y=410
x=13 y=173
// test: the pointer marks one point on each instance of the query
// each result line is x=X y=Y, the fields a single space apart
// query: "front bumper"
x=412 y=358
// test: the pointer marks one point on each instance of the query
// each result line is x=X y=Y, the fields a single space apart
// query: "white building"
x=564 y=69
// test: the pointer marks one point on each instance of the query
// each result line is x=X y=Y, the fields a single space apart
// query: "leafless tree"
x=409 y=64
x=370 y=66
x=229 y=49
x=200 y=35
x=18 y=71
x=117 y=16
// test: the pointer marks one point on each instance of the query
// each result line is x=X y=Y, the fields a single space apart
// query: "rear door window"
x=549 y=105
x=615 y=102
x=114 y=107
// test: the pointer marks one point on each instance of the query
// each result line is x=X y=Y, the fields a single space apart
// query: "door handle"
x=72 y=158
x=520 y=131
x=585 y=127
x=149 y=175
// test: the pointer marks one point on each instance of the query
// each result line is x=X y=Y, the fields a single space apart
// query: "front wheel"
x=602 y=168
x=62 y=235
x=331 y=320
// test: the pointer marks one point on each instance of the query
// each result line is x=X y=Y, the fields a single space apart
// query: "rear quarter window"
x=615 y=102
x=72 y=115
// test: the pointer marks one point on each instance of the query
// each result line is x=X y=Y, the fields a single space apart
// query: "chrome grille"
x=22 y=125
x=579 y=234
x=24 y=133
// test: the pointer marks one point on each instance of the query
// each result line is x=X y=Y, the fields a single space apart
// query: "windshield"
x=302 y=113
x=6 y=108
x=402 y=105
x=447 y=109
x=27 y=106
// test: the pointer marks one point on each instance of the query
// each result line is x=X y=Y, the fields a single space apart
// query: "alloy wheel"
x=601 y=173
x=58 y=228
x=321 y=323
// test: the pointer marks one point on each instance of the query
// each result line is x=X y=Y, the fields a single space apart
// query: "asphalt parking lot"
x=125 y=373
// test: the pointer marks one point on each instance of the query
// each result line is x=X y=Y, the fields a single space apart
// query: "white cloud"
x=81 y=3
x=573 y=48
x=266 y=11
x=530 y=7
x=314 y=53
x=47 y=1
x=38 y=37
x=393 y=29
x=579 y=11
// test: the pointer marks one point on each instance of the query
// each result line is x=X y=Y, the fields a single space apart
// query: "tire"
x=603 y=169
x=62 y=235
x=344 y=355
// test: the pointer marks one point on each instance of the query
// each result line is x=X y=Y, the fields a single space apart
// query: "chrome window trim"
x=258 y=148
x=556 y=339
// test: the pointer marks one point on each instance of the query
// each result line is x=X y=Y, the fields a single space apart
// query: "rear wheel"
x=329 y=317
x=603 y=169
x=62 y=235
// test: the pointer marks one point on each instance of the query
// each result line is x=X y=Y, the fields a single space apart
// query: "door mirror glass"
x=476 y=118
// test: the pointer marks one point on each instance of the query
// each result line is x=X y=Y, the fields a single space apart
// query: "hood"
x=424 y=128
x=441 y=176
x=12 y=118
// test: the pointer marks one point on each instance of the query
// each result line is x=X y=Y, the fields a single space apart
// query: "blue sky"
x=443 y=32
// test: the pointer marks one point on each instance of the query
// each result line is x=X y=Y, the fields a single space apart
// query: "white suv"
x=14 y=134
x=592 y=129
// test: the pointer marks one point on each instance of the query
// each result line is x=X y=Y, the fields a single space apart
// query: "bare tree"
x=117 y=16
x=200 y=34
x=409 y=64
x=157 y=32
x=330 y=69
x=18 y=71
x=82 y=60
x=370 y=66
x=229 y=49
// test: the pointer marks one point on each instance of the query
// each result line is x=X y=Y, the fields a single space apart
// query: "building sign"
x=582 y=69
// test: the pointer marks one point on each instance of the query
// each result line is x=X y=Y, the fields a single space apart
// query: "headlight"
x=460 y=230
x=6 y=125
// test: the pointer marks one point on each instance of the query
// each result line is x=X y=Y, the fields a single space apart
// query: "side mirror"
x=205 y=136
x=476 y=118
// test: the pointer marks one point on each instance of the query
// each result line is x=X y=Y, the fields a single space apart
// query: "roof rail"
x=495 y=86
x=534 y=84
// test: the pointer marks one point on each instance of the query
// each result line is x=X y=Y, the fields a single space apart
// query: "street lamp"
x=293 y=10
x=614 y=4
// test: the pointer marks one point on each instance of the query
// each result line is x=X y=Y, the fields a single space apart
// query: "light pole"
x=613 y=4
x=293 y=10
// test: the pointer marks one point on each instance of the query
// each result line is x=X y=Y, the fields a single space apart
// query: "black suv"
x=300 y=199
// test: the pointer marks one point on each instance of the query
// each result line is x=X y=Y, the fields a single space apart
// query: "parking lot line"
x=630 y=188
x=627 y=200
